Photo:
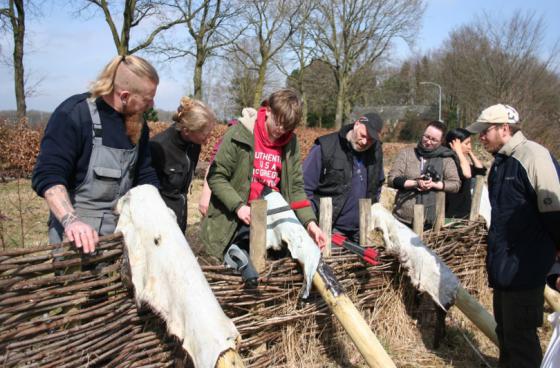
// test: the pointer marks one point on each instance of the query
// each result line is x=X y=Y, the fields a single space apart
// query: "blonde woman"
x=175 y=153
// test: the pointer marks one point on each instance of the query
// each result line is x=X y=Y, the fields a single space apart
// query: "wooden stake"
x=257 y=237
x=325 y=222
x=477 y=195
x=365 y=220
x=477 y=314
x=418 y=221
x=230 y=359
x=440 y=211
x=354 y=324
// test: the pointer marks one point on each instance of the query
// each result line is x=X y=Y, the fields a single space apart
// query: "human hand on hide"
x=83 y=235
x=244 y=214
x=317 y=234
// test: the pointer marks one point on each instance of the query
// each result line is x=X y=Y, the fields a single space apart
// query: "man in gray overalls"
x=95 y=149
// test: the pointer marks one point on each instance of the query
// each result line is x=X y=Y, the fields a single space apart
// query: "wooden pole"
x=418 y=221
x=552 y=297
x=365 y=220
x=477 y=314
x=354 y=324
x=230 y=359
x=325 y=222
x=440 y=210
x=257 y=237
x=477 y=195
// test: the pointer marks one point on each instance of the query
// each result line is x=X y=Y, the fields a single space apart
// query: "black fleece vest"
x=336 y=169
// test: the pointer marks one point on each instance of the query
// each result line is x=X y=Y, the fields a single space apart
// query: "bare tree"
x=300 y=49
x=272 y=24
x=133 y=13
x=492 y=61
x=353 y=33
x=243 y=76
x=13 y=17
x=211 y=25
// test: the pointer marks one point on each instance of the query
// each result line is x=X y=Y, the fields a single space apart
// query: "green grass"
x=23 y=215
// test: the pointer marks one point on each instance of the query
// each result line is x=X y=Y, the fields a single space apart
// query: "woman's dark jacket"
x=175 y=161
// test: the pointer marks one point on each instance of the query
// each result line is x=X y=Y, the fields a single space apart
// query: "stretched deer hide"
x=426 y=271
x=284 y=227
x=167 y=277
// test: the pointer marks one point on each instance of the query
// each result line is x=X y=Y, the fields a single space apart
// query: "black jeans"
x=518 y=314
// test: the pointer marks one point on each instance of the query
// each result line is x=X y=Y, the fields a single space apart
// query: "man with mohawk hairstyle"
x=95 y=148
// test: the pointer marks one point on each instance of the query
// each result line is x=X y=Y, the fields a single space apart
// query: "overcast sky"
x=67 y=52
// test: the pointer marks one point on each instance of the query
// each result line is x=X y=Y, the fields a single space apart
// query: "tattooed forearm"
x=68 y=219
x=59 y=203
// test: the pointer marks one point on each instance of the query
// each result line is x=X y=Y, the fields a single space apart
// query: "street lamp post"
x=439 y=100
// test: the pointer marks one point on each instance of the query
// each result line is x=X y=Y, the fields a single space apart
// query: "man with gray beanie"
x=524 y=190
x=346 y=165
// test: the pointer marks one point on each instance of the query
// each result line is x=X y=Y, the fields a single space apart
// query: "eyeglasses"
x=431 y=139
x=487 y=130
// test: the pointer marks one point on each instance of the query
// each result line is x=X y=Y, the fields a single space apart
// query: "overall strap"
x=97 y=129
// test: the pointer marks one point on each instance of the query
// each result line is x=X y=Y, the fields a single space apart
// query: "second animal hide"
x=426 y=271
x=167 y=276
x=284 y=227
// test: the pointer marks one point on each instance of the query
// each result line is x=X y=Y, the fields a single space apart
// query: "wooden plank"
x=365 y=220
x=477 y=314
x=418 y=220
x=440 y=210
x=355 y=325
x=230 y=359
x=325 y=222
x=257 y=238
x=477 y=195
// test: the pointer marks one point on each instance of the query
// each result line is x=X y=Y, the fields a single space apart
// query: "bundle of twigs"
x=60 y=308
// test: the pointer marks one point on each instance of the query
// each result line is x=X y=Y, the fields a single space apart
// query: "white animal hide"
x=285 y=227
x=427 y=272
x=551 y=357
x=485 y=207
x=166 y=276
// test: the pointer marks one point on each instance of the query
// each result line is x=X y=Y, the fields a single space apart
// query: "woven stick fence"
x=76 y=310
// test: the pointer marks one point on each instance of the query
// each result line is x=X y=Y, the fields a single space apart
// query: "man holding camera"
x=418 y=172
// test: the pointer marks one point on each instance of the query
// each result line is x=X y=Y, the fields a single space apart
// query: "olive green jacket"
x=229 y=179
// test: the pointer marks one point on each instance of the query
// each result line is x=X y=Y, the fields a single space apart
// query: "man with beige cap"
x=524 y=190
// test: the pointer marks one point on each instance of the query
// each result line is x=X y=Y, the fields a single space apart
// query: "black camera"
x=431 y=173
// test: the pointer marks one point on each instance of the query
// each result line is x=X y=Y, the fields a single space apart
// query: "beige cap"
x=495 y=114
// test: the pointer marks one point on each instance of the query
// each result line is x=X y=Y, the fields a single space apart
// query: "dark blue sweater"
x=67 y=143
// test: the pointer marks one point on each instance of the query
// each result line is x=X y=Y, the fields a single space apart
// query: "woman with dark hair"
x=419 y=172
x=458 y=205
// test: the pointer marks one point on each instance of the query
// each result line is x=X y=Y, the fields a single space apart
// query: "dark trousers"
x=518 y=314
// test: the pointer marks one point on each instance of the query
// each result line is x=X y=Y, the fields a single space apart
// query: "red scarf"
x=267 y=161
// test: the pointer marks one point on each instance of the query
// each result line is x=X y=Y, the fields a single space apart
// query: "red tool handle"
x=300 y=204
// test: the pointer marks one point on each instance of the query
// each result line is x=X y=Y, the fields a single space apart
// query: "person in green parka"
x=260 y=152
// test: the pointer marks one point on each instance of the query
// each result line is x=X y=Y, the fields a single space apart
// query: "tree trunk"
x=260 y=84
x=304 y=112
x=128 y=16
x=340 y=100
x=197 y=78
x=18 y=29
